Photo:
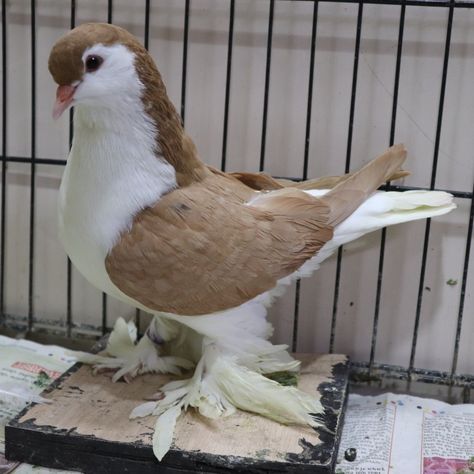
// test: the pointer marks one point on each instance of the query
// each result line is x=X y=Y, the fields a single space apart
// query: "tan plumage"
x=203 y=249
x=265 y=182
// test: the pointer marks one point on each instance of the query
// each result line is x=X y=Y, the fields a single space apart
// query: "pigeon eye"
x=93 y=63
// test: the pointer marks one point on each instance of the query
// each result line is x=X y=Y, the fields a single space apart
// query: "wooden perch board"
x=86 y=427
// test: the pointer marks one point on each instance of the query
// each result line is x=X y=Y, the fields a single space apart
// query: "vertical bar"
x=401 y=29
x=354 y=87
x=384 y=231
x=463 y=291
x=69 y=322
x=138 y=317
x=104 y=296
x=310 y=90
x=332 y=335
x=138 y=313
x=185 y=58
x=267 y=84
x=230 y=43
x=347 y=167
x=432 y=185
x=104 y=313
x=4 y=159
x=306 y=155
x=147 y=24
x=109 y=11
x=31 y=267
x=296 y=316
x=72 y=24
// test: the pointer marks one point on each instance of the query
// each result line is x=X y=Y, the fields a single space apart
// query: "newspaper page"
x=401 y=434
x=26 y=369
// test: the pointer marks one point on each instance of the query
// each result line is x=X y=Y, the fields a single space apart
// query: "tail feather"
x=389 y=208
x=415 y=199
x=382 y=209
x=348 y=195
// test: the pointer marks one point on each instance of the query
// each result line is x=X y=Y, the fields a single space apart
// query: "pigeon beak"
x=64 y=97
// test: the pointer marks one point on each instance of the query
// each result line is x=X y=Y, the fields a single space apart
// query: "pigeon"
x=205 y=252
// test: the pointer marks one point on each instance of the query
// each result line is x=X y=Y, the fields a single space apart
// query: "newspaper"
x=401 y=434
x=26 y=369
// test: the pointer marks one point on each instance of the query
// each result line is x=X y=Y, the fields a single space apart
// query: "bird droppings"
x=364 y=377
x=284 y=378
x=452 y=282
x=43 y=380
x=350 y=454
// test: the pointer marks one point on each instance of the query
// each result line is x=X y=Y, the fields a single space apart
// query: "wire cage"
x=314 y=35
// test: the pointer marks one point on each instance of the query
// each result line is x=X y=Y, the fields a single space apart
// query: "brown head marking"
x=65 y=60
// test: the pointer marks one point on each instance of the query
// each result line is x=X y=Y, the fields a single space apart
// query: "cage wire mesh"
x=314 y=41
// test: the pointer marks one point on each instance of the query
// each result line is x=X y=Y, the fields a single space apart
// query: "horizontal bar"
x=415 y=374
x=20 y=324
x=458 y=194
x=394 y=187
x=38 y=161
x=385 y=187
x=415 y=3
x=386 y=371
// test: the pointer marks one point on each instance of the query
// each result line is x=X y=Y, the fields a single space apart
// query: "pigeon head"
x=98 y=65
x=106 y=73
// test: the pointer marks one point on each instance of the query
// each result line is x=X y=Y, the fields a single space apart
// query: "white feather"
x=145 y=409
x=164 y=429
x=113 y=170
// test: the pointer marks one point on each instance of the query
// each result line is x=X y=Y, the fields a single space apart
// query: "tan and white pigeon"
x=145 y=221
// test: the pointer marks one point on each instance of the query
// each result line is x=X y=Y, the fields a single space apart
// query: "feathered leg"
x=130 y=358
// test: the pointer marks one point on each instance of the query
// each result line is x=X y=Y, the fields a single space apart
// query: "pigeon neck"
x=173 y=143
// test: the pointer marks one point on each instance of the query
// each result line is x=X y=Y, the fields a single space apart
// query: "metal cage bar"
x=383 y=237
x=4 y=160
x=146 y=43
x=230 y=43
x=371 y=367
x=110 y=7
x=185 y=59
x=271 y=14
x=347 y=168
x=465 y=270
x=31 y=263
x=69 y=321
x=434 y=169
x=309 y=106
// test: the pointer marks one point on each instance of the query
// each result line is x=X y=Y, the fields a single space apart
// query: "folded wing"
x=214 y=245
